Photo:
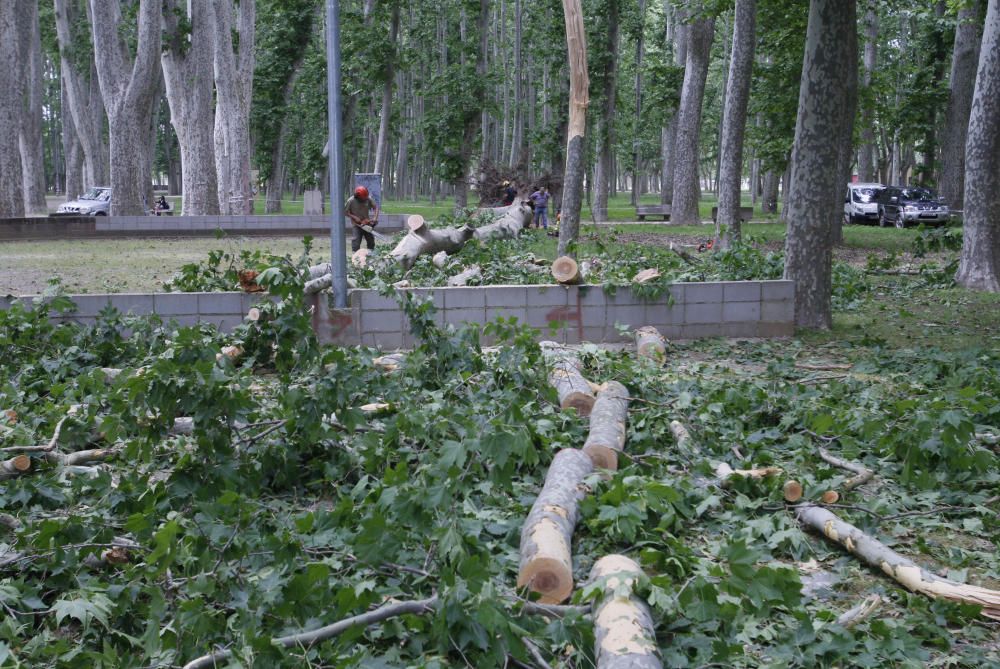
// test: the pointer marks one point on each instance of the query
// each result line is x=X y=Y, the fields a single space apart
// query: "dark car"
x=903 y=205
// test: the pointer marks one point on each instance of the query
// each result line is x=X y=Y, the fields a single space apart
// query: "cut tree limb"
x=547 y=536
x=463 y=277
x=792 y=491
x=567 y=272
x=512 y=220
x=623 y=626
x=863 y=473
x=422 y=240
x=391 y=362
x=14 y=467
x=565 y=376
x=10 y=522
x=649 y=343
x=681 y=434
x=864 y=610
x=607 y=426
x=902 y=569
x=646 y=275
x=724 y=473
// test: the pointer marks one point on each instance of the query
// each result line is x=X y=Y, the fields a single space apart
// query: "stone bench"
x=641 y=212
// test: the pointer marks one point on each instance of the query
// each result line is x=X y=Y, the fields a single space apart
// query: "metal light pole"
x=338 y=241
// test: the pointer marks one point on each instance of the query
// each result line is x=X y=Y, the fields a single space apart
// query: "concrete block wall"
x=568 y=314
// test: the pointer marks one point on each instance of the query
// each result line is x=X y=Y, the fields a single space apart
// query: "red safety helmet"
x=361 y=192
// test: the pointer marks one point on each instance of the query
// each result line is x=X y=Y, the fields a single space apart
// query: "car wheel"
x=882 y=222
x=900 y=222
x=847 y=219
x=101 y=213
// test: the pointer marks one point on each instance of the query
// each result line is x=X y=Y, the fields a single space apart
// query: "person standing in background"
x=540 y=199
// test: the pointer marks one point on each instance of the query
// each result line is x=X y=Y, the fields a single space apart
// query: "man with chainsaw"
x=358 y=209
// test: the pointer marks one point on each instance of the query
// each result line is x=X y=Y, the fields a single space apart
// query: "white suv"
x=860 y=205
x=95 y=202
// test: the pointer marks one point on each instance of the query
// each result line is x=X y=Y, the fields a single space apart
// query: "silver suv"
x=95 y=202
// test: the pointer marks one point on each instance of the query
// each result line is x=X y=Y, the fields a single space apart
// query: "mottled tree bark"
x=234 y=65
x=819 y=130
x=72 y=149
x=188 y=73
x=687 y=190
x=979 y=268
x=867 y=158
x=964 y=60
x=734 y=118
x=769 y=194
x=845 y=157
x=128 y=86
x=640 y=49
x=473 y=119
x=30 y=136
x=606 y=133
x=11 y=82
x=668 y=136
x=382 y=145
x=579 y=97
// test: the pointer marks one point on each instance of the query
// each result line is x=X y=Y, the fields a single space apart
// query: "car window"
x=865 y=195
x=92 y=194
x=105 y=195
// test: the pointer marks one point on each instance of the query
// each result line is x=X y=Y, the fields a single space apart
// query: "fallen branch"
x=422 y=240
x=391 y=362
x=624 y=633
x=832 y=367
x=903 y=570
x=684 y=255
x=463 y=277
x=988 y=438
x=863 y=473
x=864 y=610
x=681 y=434
x=16 y=466
x=51 y=446
x=509 y=224
x=606 y=438
x=723 y=472
x=646 y=275
x=10 y=522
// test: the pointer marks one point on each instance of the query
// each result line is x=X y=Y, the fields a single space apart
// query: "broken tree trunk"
x=903 y=570
x=546 y=559
x=422 y=240
x=463 y=277
x=565 y=376
x=607 y=426
x=16 y=466
x=567 y=272
x=624 y=634
x=649 y=343
x=512 y=220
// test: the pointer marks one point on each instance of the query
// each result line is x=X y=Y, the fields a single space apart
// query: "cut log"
x=724 y=473
x=607 y=426
x=391 y=362
x=422 y=240
x=81 y=458
x=440 y=259
x=625 y=636
x=906 y=572
x=14 y=467
x=509 y=224
x=10 y=522
x=321 y=278
x=565 y=376
x=360 y=257
x=646 y=275
x=546 y=560
x=463 y=278
x=792 y=491
x=863 y=473
x=649 y=343
x=232 y=353
x=182 y=426
x=681 y=434
x=830 y=497
x=566 y=272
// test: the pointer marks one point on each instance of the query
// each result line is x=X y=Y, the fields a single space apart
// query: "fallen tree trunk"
x=649 y=343
x=903 y=570
x=565 y=376
x=567 y=272
x=607 y=426
x=14 y=467
x=463 y=278
x=422 y=240
x=512 y=220
x=624 y=633
x=391 y=362
x=546 y=559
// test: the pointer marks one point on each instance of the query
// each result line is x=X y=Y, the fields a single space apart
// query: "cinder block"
x=593 y=334
x=372 y=301
x=742 y=330
x=671 y=331
x=385 y=340
x=140 y=305
x=613 y=336
x=702 y=331
x=464 y=298
x=621 y=296
x=633 y=316
x=743 y=312
x=537 y=317
x=697 y=313
x=506 y=296
x=658 y=314
x=778 y=312
x=458 y=316
x=775 y=329
x=220 y=303
x=594 y=316
x=777 y=290
x=182 y=321
x=170 y=304
x=676 y=292
x=699 y=293
x=741 y=291
x=520 y=313
x=89 y=305
x=388 y=320
x=586 y=296
x=547 y=296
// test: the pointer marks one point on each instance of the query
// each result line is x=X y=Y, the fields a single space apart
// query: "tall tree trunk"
x=845 y=157
x=964 y=60
x=382 y=146
x=819 y=130
x=769 y=197
x=867 y=163
x=979 y=268
x=579 y=98
x=72 y=149
x=937 y=55
x=668 y=136
x=473 y=119
x=687 y=191
x=30 y=136
x=637 y=146
x=234 y=65
x=602 y=177
x=128 y=87
x=734 y=118
x=188 y=74
x=11 y=82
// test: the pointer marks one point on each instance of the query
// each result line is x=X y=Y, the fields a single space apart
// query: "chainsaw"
x=378 y=235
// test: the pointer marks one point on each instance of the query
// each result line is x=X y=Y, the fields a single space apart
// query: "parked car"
x=902 y=206
x=859 y=203
x=95 y=202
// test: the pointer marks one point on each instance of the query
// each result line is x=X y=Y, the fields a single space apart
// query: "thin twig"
x=863 y=473
x=536 y=653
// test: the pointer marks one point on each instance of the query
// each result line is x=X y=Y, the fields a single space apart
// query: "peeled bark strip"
x=607 y=426
x=903 y=570
x=649 y=343
x=566 y=271
x=16 y=466
x=463 y=278
x=546 y=560
x=422 y=240
x=863 y=473
x=646 y=275
x=565 y=376
x=623 y=626
x=724 y=473
x=512 y=221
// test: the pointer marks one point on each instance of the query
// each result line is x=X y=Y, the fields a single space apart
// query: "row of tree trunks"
x=605 y=133
x=867 y=156
x=11 y=83
x=30 y=136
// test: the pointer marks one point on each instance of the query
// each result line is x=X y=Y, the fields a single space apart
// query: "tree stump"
x=649 y=343
x=566 y=272
x=623 y=627
x=607 y=426
x=546 y=559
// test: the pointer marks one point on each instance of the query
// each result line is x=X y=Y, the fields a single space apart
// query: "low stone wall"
x=77 y=227
x=568 y=314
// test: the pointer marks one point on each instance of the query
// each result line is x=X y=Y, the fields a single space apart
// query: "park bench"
x=641 y=212
x=746 y=214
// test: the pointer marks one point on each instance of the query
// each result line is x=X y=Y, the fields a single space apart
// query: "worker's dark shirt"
x=359 y=207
